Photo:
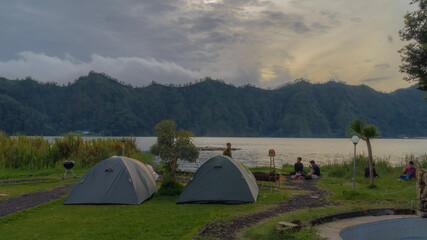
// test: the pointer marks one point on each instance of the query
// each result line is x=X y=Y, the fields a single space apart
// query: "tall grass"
x=38 y=153
x=420 y=162
x=382 y=166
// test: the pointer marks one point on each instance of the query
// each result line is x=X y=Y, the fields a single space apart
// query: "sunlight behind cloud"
x=267 y=74
x=210 y=1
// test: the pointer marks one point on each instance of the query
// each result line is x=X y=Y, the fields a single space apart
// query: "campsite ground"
x=161 y=218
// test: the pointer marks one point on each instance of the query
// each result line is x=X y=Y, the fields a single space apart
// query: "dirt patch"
x=30 y=200
x=227 y=230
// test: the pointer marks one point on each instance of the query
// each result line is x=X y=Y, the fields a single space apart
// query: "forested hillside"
x=99 y=104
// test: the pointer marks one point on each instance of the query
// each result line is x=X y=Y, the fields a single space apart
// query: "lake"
x=254 y=151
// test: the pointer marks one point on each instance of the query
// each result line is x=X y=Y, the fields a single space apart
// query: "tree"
x=172 y=145
x=366 y=133
x=414 y=55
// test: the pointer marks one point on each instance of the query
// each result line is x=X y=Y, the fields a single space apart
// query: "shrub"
x=37 y=153
x=170 y=189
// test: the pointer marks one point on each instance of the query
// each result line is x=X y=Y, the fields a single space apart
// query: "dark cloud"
x=300 y=27
x=356 y=19
x=319 y=26
x=275 y=16
x=204 y=24
x=331 y=16
x=377 y=79
x=300 y=3
x=382 y=66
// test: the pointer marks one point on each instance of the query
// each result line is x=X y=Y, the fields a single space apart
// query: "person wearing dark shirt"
x=298 y=167
x=373 y=170
x=410 y=170
x=315 y=171
x=227 y=151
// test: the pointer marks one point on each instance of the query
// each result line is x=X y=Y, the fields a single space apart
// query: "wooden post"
x=272 y=154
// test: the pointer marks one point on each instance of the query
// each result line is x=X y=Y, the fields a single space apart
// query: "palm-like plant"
x=366 y=133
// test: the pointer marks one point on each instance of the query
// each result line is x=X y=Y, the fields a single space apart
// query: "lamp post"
x=355 y=140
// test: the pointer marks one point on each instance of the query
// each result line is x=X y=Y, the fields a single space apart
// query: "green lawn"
x=161 y=218
x=157 y=218
x=16 y=174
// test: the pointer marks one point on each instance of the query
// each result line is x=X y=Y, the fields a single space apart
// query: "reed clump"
x=21 y=151
x=382 y=166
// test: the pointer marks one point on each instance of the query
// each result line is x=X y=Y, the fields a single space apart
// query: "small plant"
x=170 y=189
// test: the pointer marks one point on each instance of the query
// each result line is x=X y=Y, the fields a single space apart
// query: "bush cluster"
x=39 y=153
x=382 y=166
x=170 y=189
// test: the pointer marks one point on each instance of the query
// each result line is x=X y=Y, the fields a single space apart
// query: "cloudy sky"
x=263 y=43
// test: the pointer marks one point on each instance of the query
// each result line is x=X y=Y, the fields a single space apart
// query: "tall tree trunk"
x=173 y=168
x=371 y=162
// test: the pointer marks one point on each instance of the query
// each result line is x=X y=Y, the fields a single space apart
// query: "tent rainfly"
x=116 y=180
x=221 y=180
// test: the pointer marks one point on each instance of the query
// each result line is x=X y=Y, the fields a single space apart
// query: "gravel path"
x=30 y=200
x=228 y=229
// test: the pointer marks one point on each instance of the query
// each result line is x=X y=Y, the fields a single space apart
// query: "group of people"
x=314 y=173
x=409 y=172
x=298 y=167
x=298 y=172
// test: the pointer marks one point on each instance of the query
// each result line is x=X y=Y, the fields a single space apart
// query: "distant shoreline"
x=215 y=148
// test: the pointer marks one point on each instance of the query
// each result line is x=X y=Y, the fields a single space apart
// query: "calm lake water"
x=254 y=151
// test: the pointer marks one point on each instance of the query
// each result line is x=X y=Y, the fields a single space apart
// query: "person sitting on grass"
x=410 y=170
x=373 y=170
x=298 y=168
x=315 y=171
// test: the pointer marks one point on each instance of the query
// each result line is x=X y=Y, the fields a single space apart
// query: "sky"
x=262 y=43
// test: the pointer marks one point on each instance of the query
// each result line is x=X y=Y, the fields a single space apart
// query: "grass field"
x=388 y=192
x=161 y=218
x=157 y=218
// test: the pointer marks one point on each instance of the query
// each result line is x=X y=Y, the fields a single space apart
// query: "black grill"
x=69 y=164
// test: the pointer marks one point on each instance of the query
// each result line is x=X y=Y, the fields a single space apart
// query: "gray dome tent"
x=116 y=180
x=221 y=180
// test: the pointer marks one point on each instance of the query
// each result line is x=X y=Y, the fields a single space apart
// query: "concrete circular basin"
x=401 y=228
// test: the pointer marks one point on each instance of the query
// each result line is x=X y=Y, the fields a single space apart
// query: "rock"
x=423 y=193
x=421 y=214
x=423 y=175
x=422 y=190
x=419 y=192
x=284 y=226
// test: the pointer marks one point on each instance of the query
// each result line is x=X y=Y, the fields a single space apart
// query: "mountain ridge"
x=100 y=104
